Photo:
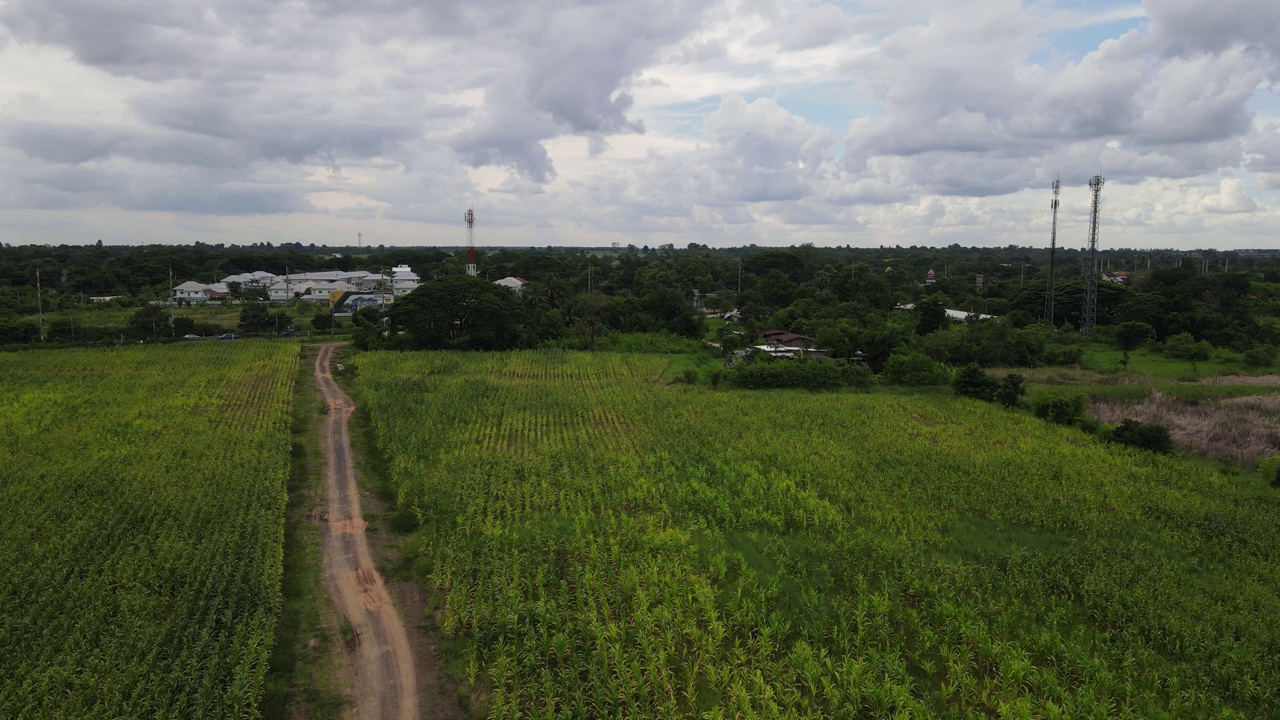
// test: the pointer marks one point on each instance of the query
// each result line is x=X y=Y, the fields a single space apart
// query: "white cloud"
x=671 y=120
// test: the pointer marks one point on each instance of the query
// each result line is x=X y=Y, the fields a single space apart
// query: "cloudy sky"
x=588 y=122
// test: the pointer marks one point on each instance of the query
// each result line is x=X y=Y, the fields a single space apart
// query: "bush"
x=1055 y=354
x=1060 y=409
x=811 y=375
x=1130 y=335
x=1010 y=390
x=1147 y=436
x=1260 y=356
x=970 y=381
x=1184 y=347
x=914 y=369
x=818 y=374
x=857 y=375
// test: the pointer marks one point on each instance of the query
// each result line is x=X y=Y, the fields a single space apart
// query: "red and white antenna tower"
x=471 y=243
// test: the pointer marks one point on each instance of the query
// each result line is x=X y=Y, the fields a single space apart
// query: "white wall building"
x=512 y=283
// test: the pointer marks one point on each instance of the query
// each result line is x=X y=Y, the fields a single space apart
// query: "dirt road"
x=385 y=686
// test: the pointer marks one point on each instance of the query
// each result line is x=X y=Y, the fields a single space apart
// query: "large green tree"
x=458 y=312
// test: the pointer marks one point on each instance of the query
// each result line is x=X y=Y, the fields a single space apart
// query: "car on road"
x=189 y=336
x=228 y=336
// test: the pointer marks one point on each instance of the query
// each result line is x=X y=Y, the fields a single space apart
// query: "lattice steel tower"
x=1053 y=252
x=470 y=217
x=1091 y=277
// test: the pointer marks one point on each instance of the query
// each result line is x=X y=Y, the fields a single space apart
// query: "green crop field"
x=603 y=545
x=143 y=498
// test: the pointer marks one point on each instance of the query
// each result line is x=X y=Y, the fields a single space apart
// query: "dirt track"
x=385 y=686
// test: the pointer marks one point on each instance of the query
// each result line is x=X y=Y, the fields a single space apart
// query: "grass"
x=1155 y=365
x=305 y=670
x=1241 y=430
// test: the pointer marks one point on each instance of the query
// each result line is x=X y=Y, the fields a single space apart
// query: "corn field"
x=603 y=546
x=141 y=520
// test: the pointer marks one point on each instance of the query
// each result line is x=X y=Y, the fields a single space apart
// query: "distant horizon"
x=624 y=248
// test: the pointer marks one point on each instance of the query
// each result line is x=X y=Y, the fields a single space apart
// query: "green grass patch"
x=303 y=676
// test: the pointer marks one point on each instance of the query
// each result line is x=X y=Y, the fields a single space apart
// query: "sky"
x=565 y=122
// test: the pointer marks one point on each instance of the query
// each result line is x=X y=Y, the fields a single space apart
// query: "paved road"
x=384 y=683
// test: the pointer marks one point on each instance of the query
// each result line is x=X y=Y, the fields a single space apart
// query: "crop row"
x=143 y=500
x=604 y=546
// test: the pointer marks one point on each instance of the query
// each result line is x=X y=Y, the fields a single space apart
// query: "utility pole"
x=1053 y=252
x=40 y=304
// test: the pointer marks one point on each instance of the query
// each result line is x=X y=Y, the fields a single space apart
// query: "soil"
x=382 y=658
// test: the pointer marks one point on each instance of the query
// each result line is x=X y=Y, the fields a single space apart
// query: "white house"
x=192 y=292
x=403 y=280
x=512 y=283
x=257 y=278
x=317 y=293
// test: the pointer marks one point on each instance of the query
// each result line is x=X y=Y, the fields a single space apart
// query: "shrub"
x=1130 y=335
x=689 y=376
x=970 y=381
x=716 y=376
x=856 y=375
x=1010 y=390
x=1185 y=347
x=1260 y=356
x=805 y=374
x=913 y=369
x=1147 y=436
x=1060 y=409
x=1062 y=355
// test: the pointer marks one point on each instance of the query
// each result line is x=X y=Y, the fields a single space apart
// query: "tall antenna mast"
x=470 y=217
x=1091 y=278
x=1053 y=252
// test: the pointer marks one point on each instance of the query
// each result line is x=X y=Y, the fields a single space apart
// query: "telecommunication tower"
x=1053 y=252
x=1091 y=274
x=470 y=217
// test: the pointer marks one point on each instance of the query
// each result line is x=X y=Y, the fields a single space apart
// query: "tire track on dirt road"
x=385 y=684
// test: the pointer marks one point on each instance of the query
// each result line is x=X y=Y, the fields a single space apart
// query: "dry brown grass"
x=1242 y=380
x=1244 y=429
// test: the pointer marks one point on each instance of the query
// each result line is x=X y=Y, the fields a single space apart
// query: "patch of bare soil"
x=1245 y=429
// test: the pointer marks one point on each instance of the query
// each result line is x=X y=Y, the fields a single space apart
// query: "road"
x=385 y=685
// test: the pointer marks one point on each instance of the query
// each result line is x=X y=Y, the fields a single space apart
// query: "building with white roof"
x=516 y=284
x=403 y=280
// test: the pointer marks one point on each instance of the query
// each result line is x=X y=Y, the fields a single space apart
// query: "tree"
x=1010 y=390
x=1184 y=346
x=148 y=323
x=970 y=381
x=588 y=311
x=1147 y=436
x=1132 y=333
x=914 y=368
x=255 y=318
x=931 y=316
x=322 y=321
x=183 y=325
x=458 y=312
